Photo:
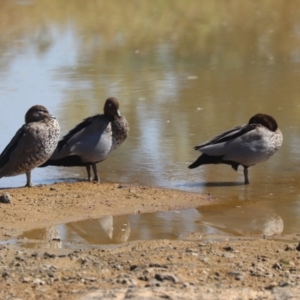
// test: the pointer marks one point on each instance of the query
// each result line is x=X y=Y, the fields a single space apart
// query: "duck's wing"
x=17 y=150
x=228 y=135
x=12 y=146
x=73 y=133
x=216 y=146
x=82 y=137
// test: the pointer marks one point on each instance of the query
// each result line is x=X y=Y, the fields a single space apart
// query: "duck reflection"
x=106 y=230
x=49 y=237
x=245 y=219
x=235 y=219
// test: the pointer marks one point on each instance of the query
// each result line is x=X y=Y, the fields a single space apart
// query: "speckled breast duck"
x=32 y=145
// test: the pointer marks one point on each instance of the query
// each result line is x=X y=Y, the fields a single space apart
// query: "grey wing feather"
x=229 y=134
x=83 y=137
x=230 y=141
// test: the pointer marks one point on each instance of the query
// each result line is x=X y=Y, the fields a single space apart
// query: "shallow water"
x=188 y=224
x=182 y=75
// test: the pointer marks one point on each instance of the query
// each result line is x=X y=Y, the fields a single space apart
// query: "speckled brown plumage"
x=32 y=145
x=92 y=140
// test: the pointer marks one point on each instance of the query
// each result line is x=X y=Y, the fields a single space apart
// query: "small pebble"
x=277 y=266
x=38 y=281
x=288 y=248
x=271 y=286
x=166 y=277
x=228 y=248
x=5 y=198
x=236 y=275
x=283 y=283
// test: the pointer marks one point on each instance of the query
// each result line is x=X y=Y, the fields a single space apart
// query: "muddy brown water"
x=181 y=79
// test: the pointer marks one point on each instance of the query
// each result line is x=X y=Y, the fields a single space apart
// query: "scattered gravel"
x=261 y=269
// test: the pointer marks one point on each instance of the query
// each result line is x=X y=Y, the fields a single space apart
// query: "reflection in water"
x=106 y=230
x=49 y=236
x=249 y=219
x=164 y=225
x=201 y=68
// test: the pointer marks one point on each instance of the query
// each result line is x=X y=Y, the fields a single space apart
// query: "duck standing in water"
x=32 y=145
x=245 y=145
x=92 y=140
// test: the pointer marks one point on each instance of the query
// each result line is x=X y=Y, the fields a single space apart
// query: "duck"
x=32 y=144
x=245 y=145
x=92 y=140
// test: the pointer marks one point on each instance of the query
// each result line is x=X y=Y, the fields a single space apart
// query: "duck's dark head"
x=265 y=120
x=111 y=107
x=37 y=113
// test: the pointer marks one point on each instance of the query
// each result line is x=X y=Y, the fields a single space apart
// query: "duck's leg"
x=246 y=175
x=28 y=178
x=88 y=170
x=96 y=177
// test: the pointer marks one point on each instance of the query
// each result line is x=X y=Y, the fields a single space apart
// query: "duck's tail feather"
x=68 y=161
x=205 y=159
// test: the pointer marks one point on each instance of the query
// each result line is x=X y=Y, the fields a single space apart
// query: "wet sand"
x=228 y=269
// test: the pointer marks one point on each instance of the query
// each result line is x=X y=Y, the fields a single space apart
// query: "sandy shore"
x=160 y=269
